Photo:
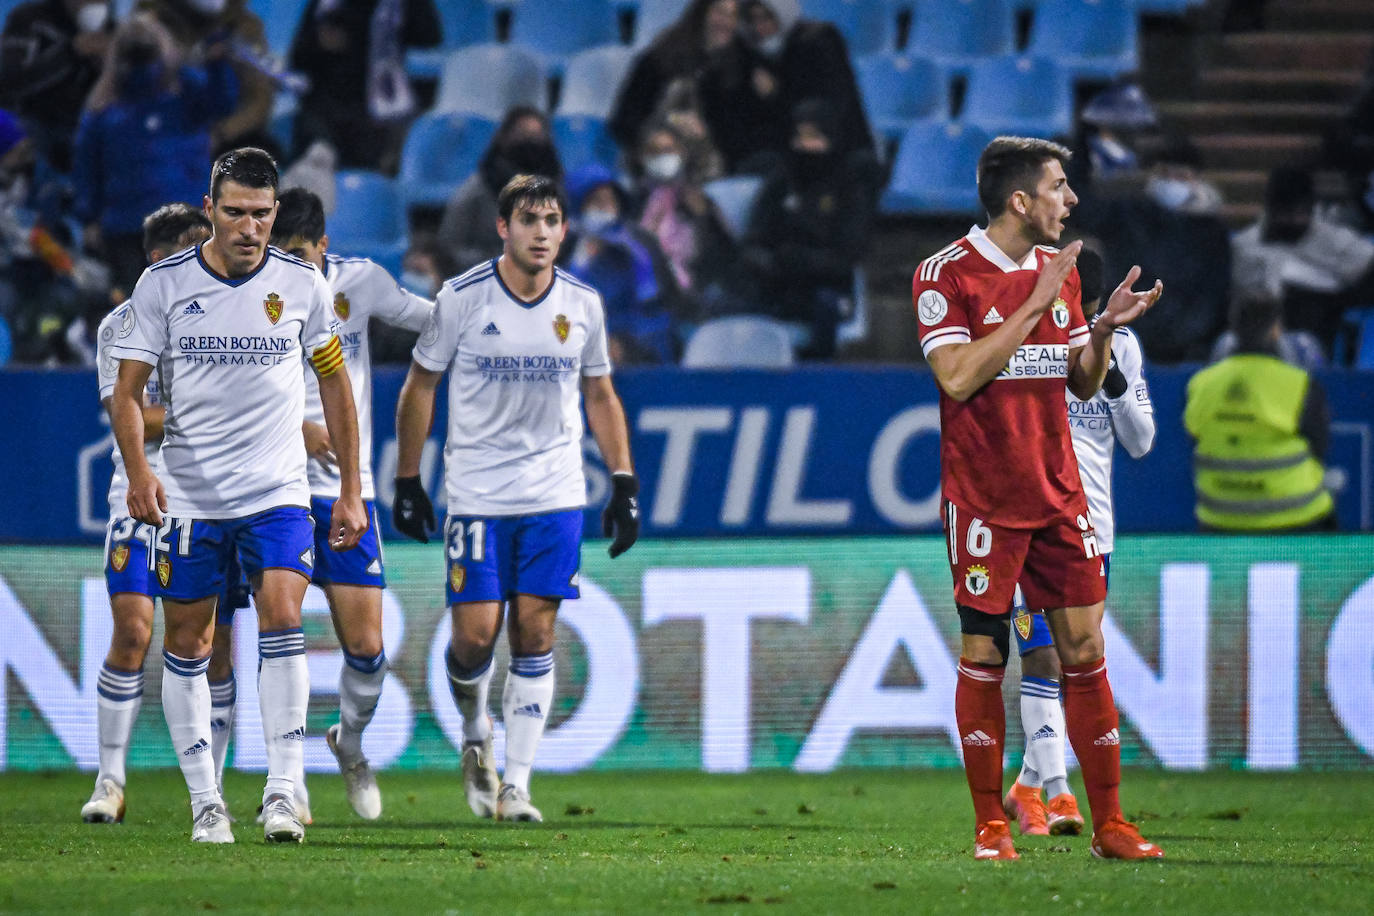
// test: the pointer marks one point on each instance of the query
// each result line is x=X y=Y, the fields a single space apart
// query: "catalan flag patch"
x=328 y=358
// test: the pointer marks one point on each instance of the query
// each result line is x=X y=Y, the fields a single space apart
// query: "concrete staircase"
x=1266 y=98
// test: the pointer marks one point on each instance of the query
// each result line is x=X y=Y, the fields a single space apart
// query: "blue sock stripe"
x=117 y=685
x=1042 y=681
x=456 y=671
x=531 y=665
x=1042 y=695
x=367 y=664
x=281 y=643
x=186 y=667
x=120 y=672
x=223 y=693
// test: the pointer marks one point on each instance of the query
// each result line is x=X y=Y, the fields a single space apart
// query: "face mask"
x=207 y=7
x=772 y=45
x=595 y=222
x=92 y=17
x=663 y=167
x=1169 y=193
x=421 y=284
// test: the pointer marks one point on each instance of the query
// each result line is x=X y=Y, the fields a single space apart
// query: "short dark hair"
x=300 y=214
x=1288 y=189
x=248 y=166
x=166 y=226
x=528 y=190
x=1253 y=316
x=1010 y=164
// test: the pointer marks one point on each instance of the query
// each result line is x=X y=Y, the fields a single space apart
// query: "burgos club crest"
x=342 y=306
x=457 y=577
x=561 y=327
x=164 y=570
x=119 y=557
x=976 y=580
x=1060 y=311
x=272 y=305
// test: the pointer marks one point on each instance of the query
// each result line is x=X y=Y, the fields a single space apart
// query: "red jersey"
x=1006 y=452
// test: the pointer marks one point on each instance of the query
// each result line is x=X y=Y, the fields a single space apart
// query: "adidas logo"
x=1112 y=737
x=218 y=725
x=297 y=734
x=199 y=747
x=491 y=330
x=979 y=738
x=193 y=309
x=308 y=557
x=992 y=317
x=374 y=568
x=532 y=710
x=1044 y=732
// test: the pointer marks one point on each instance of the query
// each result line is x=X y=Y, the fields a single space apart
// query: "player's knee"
x=129 y=642
x=186 y=642
x=1079 y=648
x=1042 y=663
x=997 y=627
x=363 y=645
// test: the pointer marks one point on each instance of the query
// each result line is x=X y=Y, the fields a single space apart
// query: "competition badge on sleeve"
x=342 y=306
x=272 y=305
x=561 y=327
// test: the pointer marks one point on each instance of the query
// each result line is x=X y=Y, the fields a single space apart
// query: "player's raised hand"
x=411 y=511
x=621 y=515
x=1053 y=275
x=147 y=500
x=318 y=444
x=1126 y=304
x=347 y=523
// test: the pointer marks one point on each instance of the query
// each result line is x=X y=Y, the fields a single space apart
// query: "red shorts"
x=1058 y=565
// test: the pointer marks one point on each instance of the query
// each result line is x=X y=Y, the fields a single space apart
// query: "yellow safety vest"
x=1252 y=468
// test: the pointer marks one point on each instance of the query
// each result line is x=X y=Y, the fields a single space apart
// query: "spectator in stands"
x=1295 y=252
x=809 y=227
x=51 y=53
x=200 y=25
x=144 y=139
x=1111 y=125
x=522 y=144
x=749 y=89
x=1262 y=427
x=360 y=99
x=608 y=252
x=663 y=76
x=1297 y=348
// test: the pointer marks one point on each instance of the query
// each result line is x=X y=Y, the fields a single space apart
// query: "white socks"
x=222 y=696
x=186 y=706
x=1042 y=717
x=283 y=694
x=470 y=689
x=360 y=686
x=119 y=694
x=525 y=705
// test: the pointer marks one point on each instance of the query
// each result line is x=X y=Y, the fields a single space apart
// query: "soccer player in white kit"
x=227 y=324
x=1121 y=411
x=520 y=340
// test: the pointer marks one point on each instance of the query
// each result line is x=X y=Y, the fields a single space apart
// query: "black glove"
x=621 y=515
x=411 y=511
x=1115 y=382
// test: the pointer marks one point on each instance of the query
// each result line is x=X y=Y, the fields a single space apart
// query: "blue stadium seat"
x=898 y=89
x=369 y=219
x=440 y=152
x=490 y=79
x=558 y=29
x=1096 y=39
x=1027 y=96
x=734 y=197
x=592 y=79
x=936 y=169
x=581 y=140
x=1364 y=353
x=653 y=16
x=868 y=26
x=739 y=341
x=281 y=19
x=465 y=22
x=959 y=32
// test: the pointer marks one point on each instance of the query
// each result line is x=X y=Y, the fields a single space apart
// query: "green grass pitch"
x=852 y=842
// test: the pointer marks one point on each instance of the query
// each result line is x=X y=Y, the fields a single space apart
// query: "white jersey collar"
x=978 y=238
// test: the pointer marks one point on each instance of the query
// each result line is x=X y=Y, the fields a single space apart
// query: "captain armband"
x=328 y=359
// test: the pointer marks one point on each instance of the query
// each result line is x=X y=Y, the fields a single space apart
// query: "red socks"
x=1090 y=713
x=982 y=722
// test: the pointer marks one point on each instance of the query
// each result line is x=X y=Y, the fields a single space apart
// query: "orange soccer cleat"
x=1063 y=816
x=1023 y=803
x=994 y=842
x=1119 y=839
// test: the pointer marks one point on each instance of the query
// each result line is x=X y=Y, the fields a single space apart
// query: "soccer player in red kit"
x=1002 y=327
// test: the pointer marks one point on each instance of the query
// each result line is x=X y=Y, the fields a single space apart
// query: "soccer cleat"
x=106 y=805
x=480 y=781
x=301 y=804
x=994 y=842
x=359 y=782
x=212 y=825
x=280 y=823
x=1119 y=839
x=513 y=804
x=1023 y=803
x=1063 y=815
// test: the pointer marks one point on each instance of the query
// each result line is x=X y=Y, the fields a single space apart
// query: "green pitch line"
x=851 y=842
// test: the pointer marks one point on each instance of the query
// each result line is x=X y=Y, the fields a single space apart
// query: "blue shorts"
x=493 y=559
x=361 y=565
x=193 y=555
x=127 y=566
x=236 y=595
x=1032 y=632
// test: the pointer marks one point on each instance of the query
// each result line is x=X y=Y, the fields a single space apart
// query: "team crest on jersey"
x=457 y=577
x=1060 y=311
x=119 y=557
x=1023 y=623
x=976 y=580
x=272 y=305
x=342 y=306
x=164 y=570
x=561 y=327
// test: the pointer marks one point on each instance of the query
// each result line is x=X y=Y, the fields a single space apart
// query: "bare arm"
x=153 y=419
x=606 y=417
x=147 y=500
x=414 y=416
x=1088 y=364
x=963 y=369
x=349 y=519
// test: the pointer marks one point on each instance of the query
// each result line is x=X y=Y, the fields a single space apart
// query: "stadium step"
x=1257 y=151
x=1324 y=50
x=1320 y=14
x=1208 y=116
x=1238 y=184
x=1245 y=83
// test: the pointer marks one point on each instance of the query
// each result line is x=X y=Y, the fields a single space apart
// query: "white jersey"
x=1099 y=422
x=514 y=404
x=228 y=354
x=107 y=370
x=361 y=289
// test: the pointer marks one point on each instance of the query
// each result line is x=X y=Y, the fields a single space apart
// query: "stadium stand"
x=868 y=26
x=1096 y=39
x=935 y=168
x=900 y=88
x=960 y=32
x=1030 y=96
x=440 y=151
x=652 y=17
x=558 y=29
x=465 y=22
x=369 y=219
x=490 y=79
x=739 y=342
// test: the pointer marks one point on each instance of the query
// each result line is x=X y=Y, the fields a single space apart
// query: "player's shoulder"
x=484 y=272
x=175 y=263
x=577 y=289
x=941 y=262
x=276 y=256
